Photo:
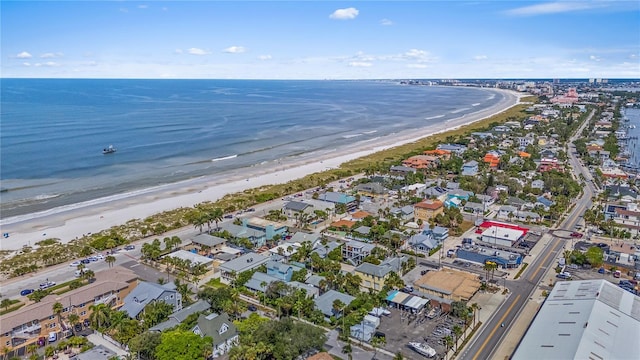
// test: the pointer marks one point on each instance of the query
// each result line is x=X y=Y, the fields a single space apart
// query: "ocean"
x=53 y=131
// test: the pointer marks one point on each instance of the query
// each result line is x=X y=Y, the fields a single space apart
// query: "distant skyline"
x=320 y=39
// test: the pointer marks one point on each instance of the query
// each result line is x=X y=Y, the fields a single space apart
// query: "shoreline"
x=75 y=220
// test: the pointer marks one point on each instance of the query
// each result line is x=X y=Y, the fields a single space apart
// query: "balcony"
x=30 y=331
x=106 y=299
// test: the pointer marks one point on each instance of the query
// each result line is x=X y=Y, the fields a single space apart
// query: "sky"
x=320 y=39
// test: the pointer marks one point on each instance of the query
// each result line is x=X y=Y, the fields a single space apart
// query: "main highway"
x=491 y=334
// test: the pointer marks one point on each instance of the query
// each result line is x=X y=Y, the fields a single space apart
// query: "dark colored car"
x=26 y=292
x=129 y=247
x=85 y=261
x=77 y=328
x=229 y=216
x=252 y=308
x=576 y=234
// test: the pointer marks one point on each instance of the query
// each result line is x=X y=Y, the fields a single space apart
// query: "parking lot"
x=401 y=327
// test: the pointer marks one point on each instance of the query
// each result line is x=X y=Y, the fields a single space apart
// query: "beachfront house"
x=270 y=228
x=207 y=244
x=339 y=199
x=453 y=148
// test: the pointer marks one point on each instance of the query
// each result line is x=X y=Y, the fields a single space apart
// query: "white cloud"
x=47 y=64
x=417 y=66
x=594 y=58
x=345 y=14
x=197 y=51
x=480 y=57
x=51 y=55
x=235 y=50
x=360 y=64
x=555 y=8
x=24 y=55
x=415 y=54
x=264 y=57
x=386 y=22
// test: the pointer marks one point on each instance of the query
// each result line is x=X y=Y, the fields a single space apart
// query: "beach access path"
x=70 y=222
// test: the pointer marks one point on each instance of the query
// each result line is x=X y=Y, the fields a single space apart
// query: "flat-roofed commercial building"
x=502 y=236
x=585 y=319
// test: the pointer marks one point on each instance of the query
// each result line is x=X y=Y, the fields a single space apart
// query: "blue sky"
x=321 y=39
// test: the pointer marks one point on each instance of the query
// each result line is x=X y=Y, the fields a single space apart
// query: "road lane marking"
x=484 y=344
x=543 y=261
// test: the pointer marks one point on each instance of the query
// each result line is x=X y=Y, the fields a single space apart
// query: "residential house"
x=373 y=276
x=211 y=243
x=492 y=159
x=259 y=282
x=355 y=251
x=423 y=243
x=340 y=199
x=404 y=213
x=453 y=148
x=401 y=171
x=459 y=194
x=474 y=208
x=178 y=317
x=25 y=326
x=528 y=216
x=230 y=270
x=548 y=164
x=421 y=162
x=470 y=168
x=281 y=271
x=544 y=202
x=219 y=328
x=439 y=153
x=435 y=192
x=258 y=238
x=323 y=250
x=515 y=201
x=537 y=184
x=270 y=228
x=293 y=209
x=507 y=212
x=372 y=189
x=325 y=302
x=146 y=293
x=360 y=233
x=96 y=353
x=301 y=237
x=285 y=250
x=439 y=233
x=427 y=209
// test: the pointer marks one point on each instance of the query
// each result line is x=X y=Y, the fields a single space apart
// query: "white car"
x=100 y=256
x=74 y=264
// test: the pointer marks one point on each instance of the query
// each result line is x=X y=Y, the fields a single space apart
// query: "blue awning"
x=392 y=294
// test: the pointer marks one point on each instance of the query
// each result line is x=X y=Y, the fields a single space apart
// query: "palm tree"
x=73 y=320
x=475 y=308
x=457 y=331
x=99 y=315
x=32 y=349
x=49 y=351
x=110 y=260
x=57 y=310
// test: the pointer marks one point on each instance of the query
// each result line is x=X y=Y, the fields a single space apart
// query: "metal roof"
x=586 y=319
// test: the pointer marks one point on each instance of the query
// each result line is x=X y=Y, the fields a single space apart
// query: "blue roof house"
x=455 y=197
x=339 y=198
x=280 y=271
x=470 y=168
x=544 y=202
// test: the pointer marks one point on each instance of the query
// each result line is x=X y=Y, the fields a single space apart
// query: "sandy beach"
x=67 y=223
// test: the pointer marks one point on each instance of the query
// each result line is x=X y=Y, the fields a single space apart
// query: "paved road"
x=492 y=332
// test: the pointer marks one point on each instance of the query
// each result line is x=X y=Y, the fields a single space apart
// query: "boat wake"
x=225 y=158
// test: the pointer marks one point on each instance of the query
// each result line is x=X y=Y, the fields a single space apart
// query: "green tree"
x=110 y=260
x=5 y=303
x=155 y=313
x=57 y=310
x=144 y=345
x=182 y=345
x=99 y=317
x=595 y=256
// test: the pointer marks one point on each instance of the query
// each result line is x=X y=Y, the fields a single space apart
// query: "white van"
x=53 y=337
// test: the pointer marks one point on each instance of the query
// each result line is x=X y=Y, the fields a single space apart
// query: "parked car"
x=47 y=284
x=26 y=292
x=252 y=308
x=228 y=216
x=74 y=264
x=129 y=247
x=85 y=261
x=601 y=270
x=100 y=257
x=576 y=234
x=92 y=259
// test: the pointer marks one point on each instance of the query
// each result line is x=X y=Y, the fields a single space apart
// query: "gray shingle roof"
x=207 y=240
x=142 y=295
x=324 y=302
x=255 y=283
x=373 y=270
x=210 y=325
x=181 y=315
x=296 y=205
x=245 y=262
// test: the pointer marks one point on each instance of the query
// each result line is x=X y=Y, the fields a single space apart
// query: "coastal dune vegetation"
x=50 y=252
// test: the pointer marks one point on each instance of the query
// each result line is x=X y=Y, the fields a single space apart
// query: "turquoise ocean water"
x=52 y=131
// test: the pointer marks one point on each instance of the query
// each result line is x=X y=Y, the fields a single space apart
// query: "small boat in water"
x=109 y=150
x=423 y=349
